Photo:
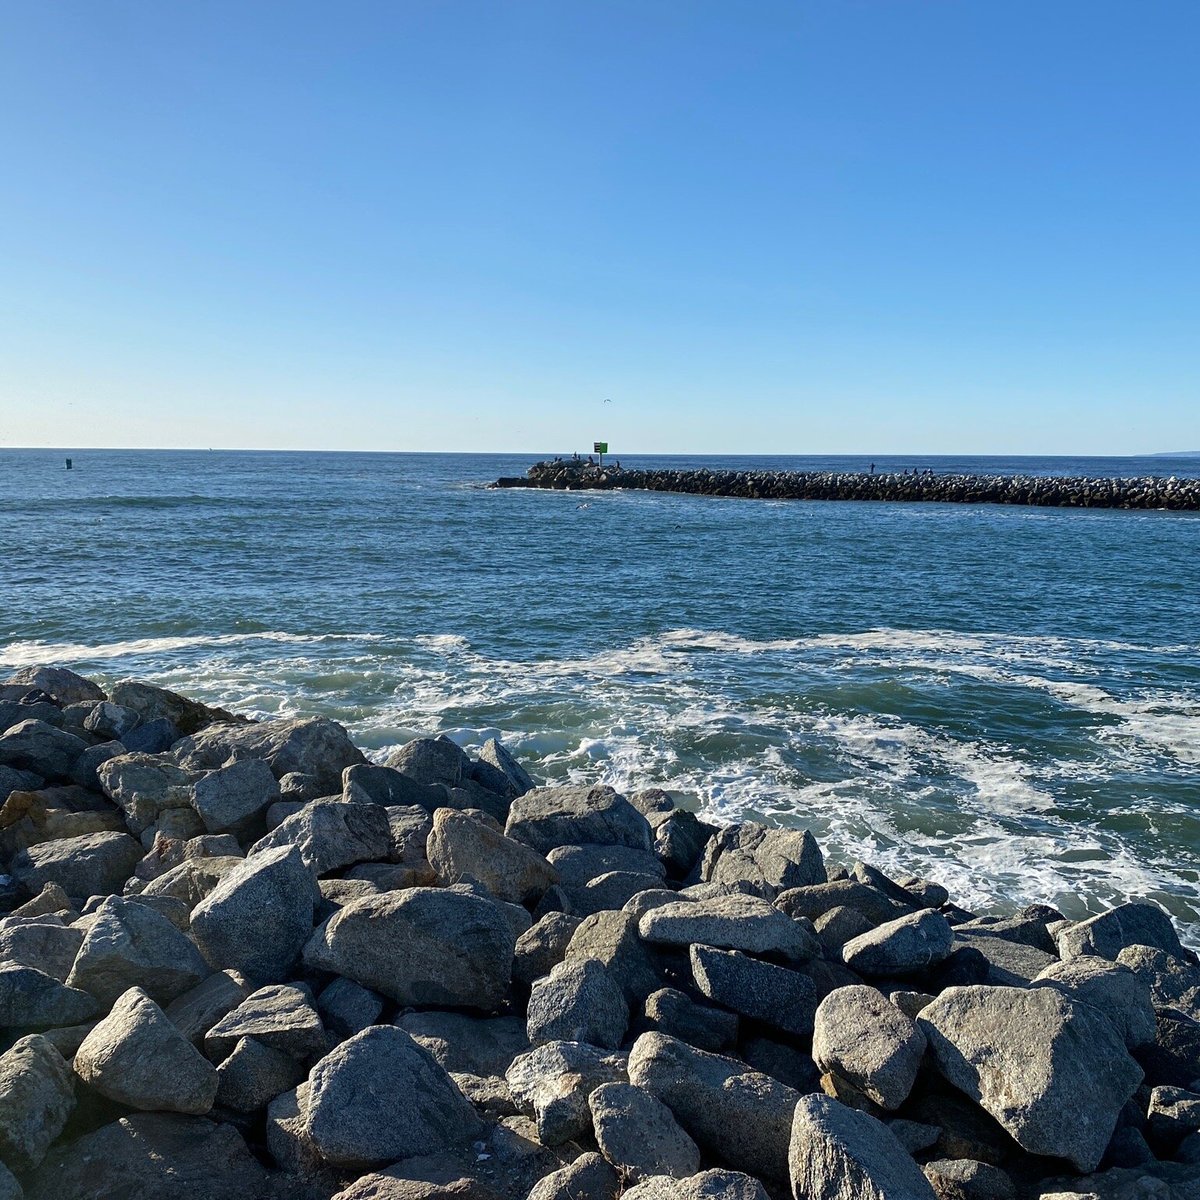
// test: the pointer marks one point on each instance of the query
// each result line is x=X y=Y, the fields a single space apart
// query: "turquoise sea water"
x=1004 y=700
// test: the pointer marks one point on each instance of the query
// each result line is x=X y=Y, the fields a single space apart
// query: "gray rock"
x=258 y=918
x=42 y=942
x=1009 y=964
x=1051 y=1070
x=144 y=787
x=287 y=1140
x=611 y=892
x=1106 y=935
x=130 y=945
x=254 y=1074
x=152 y=737
x=29 y=998
x=774 y=995
x=332 y=834
x=543 y=946
x=153 y=704
x=431 y=761
x=839 y=1154
x=901 y=947
x=967 y=1179
x=611 y=938
x=379 y=1096
x=861 y=1036
x=553 y=1083
x=676 y=1014
x=348 y=1008
x=92 y=864
x=838 y=926
x=137 y=1057
x=730 y=922
x=577 y=866
x=41 y=748
x=638 y=1135
x=198 y=1010
x=1172 y=1115
x=51 y=899
x=716 y=1184
x=313 y=746
x=1113 y=989
x=36 y=1098
x=1172 y=1060
x=496 y=755
x=588 y=1176
x=679 y=840
x=234 y=799
x=577 y=1002
x=782 y=1061
x=915 y=1136
x=110 y=721
x=820 y=898
x=12 y=780
x=423 y=946
x=152 y=1156
x=739 y=1115
x=643 y=902
x=1174 y=982
x=771 y=860
x=367 y=783
x=547 y=817
x=58 y=683
x=281 y=1016
x=460 y=845
x=87 y=765
x=193 y=879
x=463 y=1044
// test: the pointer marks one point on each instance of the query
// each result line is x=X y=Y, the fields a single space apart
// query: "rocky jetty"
x=237 y=960
x=1153 y=492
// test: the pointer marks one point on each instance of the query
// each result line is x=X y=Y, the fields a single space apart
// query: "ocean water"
x=1005 y=700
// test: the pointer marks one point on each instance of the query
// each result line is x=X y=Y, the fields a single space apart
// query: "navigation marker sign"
x=600 y=448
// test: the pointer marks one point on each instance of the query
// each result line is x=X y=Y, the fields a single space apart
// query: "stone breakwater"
x=1152 y=492
x=238 y=960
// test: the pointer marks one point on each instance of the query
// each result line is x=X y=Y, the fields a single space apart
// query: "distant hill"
x=1176 y=454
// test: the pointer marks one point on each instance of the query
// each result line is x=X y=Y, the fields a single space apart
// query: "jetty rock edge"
x=238 y=959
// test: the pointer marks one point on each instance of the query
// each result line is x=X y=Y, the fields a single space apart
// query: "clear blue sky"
x=961 y=226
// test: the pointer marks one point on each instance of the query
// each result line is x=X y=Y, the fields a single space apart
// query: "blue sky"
x=891 y=226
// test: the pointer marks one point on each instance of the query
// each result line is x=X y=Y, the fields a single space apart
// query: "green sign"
x=599 y=447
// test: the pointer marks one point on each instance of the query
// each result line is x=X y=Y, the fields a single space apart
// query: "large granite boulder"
x=1174 y=982
x=461 y=845
x=739 y=1115
x=612 y=939
x=31 y=999
x=715 y=1184
x=901 y=947
x=770 y=860
x=1110 y=987
x=557 y=816
x=144 y=786
x=153 y=703
x=1052 y=1070
x=258 y=917
x=254 y=1074
x=43 y=942
x=281 y=1016
x=729 y=922
x=774 y=995
x=578 y=1002
x=552 y=1083
x=92 y=864
x=233 y=799
x=313 y=746
x=379 y=1096
x=332 y=834
x=61 y=685
x=544 y=945
x=41 y=748
x=422 y=946
x=137 y=1057
x=371 y=784
x=496 y=755
x=638 y=1135
x=465 y=1044
x=837 y=1153
x=589 y=1175
x=36 y=1098
x=130 y=945
x=431 y=761
x=1132 y=924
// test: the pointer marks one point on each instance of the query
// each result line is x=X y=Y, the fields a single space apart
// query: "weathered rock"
x=348 y=1008
x=577 y=1002
x=611 y=938
x=13 y=780
x=233 y=799
x=557 y=816
x=287 y=1140
x=153 y=703
x=775 y=995
x=901 y=947
x=676 y=1014
x=730 y=922
x=1113 y=989
x=110 y=721
x=494 y=753
x=36 y=1098
x=144 y=787
x=196 y=1011
x=152 y=1156
x=332 y=834
x=424 y=946
x=258 y=918
x=638 y=1135
x=543 y=946
x=451 y=1175
x=465 y=1044
x=577 y=866
x=553 y=1083
x=770 y=860
x=820 y=898
x=679 y=840
x=193 y=879
x=137 y=1057
x=966 y=1179
x=92 y=864
x=1171 y=1060
x=460 y=845
x=861 y=1036
x=1051 y=1070
x=280 y=1016
x=716 y=1184
x=1174 y=982
x=589 y=1175
x=312 y=746
x=839 y=1154
x=611 y=892
x=61 y=685
x=1172 y=1115
x=31 y=999
x=41 y=748
x=51 y=899
x=782 y=1061
x=431 y=761
x=130 y=945
x=379 y=1096
x=1106 y=935
x=152 y=737
x=993 y=960
x=254 y=1074
x=42 y=942
x=739 y=1115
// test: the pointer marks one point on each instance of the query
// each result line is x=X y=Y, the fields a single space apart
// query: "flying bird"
x=608 y=402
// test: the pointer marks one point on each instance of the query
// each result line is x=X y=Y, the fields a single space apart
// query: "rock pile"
x=238 y=960
x=1050 y=491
